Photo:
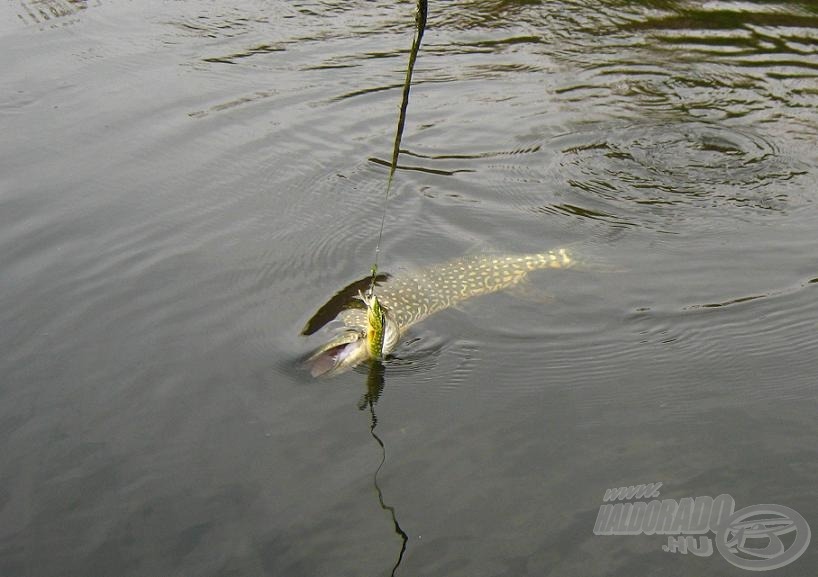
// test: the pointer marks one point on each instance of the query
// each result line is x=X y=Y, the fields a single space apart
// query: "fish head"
x=350 y=348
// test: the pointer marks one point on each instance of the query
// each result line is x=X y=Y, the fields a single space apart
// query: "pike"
x=373 y=326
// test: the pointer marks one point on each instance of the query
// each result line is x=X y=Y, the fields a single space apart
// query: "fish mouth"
x=338 y=355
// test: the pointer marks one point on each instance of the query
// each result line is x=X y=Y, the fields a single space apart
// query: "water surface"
x=184 y=183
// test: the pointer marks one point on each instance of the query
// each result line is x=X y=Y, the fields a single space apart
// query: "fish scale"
x=411 y=298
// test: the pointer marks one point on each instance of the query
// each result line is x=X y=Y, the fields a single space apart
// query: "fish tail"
x=556 y=258
x=583 y=257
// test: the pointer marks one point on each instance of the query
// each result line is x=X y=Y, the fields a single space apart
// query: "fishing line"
x=420 y=25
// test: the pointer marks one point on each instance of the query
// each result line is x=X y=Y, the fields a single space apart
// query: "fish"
x=407 y=299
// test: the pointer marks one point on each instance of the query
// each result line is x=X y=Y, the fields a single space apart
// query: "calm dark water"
x=184 y=183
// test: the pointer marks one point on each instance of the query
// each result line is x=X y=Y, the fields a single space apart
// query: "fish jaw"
x=351 y=348
x=339 y=355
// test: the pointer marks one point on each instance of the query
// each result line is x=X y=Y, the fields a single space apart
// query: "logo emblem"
x=751 y=537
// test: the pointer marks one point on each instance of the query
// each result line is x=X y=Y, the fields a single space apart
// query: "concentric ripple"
x=691 y=165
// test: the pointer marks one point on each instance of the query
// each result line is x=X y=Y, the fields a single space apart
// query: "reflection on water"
x=185 y=182
x=41 y=11
x=375 y=383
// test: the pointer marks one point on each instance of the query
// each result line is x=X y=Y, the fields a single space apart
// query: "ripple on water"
x=665 y=176
x=425 y=356
x=737 y=336
x=716 y=61
x=696 y=172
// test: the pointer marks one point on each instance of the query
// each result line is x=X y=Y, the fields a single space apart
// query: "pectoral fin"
x=526 y=290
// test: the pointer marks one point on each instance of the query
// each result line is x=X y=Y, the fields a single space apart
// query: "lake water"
x=184 y=183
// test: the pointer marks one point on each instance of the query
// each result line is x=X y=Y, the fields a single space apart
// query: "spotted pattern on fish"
x=411 y=298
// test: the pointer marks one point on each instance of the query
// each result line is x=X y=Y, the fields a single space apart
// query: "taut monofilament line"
x=420 y=26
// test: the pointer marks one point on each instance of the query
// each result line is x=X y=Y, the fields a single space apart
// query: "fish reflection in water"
x=410 y=298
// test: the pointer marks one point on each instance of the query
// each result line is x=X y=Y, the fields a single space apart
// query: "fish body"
x=408 y=299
